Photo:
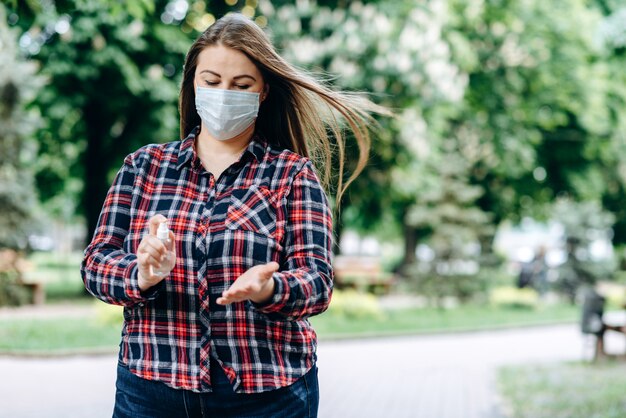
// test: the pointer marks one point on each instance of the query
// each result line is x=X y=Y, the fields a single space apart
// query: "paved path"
x=438 y=376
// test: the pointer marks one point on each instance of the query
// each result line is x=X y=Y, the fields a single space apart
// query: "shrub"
x=355 y=305
x=11 y=293
x=108 y=314
x=512 y=297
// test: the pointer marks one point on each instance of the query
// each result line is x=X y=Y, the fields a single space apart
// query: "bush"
x=512 y=297
x=355 y=305
x=11 y=293
x=437 y=288
x=107 y=314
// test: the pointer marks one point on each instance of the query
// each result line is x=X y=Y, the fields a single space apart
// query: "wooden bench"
x=16 y=266
x=362 y=273
x=36 y=290
x=595 y=322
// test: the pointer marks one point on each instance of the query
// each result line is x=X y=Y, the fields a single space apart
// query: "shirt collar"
x=187 y=153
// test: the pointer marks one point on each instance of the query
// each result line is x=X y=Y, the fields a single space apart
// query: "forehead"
x=225 y=61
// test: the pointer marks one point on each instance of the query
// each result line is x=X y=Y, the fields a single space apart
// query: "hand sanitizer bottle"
x=163 y=234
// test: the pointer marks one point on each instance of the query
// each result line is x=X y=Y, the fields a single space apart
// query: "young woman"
x=223 y=331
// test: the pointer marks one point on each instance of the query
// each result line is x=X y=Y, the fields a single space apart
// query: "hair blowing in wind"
x=301 y=113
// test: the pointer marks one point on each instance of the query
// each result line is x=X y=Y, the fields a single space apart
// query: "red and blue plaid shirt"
x=267 y=206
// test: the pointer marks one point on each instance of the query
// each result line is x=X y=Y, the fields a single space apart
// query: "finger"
x=152 y=244
x=147 y=259
x=154 y=223
x=225 y=301
x=235 y=293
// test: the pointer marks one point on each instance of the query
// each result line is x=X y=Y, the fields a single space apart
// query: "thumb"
x=154 y=223
x=173 y=239
x=268 y=269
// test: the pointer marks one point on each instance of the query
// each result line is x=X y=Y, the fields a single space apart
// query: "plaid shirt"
x=267 y=206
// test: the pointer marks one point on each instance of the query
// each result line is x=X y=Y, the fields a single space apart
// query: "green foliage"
x=351 y=304
x=583 y=224
x=512 y=297
x=113 y=70
x=11 y=293
x=108 y=315
x=393 y=50
x=564 y=390
x=501 y=105
x=18 y=85
x=441 y=287
x=535 y=107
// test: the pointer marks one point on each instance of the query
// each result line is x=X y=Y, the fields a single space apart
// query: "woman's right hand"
x=150 y=253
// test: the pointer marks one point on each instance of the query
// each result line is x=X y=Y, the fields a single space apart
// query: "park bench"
x=36 y=291
x=595 y=323
x=13 y=264
x=363 y=273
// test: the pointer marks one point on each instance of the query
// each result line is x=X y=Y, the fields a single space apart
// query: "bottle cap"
x=163 y=232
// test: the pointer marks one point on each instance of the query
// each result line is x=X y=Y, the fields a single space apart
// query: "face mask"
x=226 y=113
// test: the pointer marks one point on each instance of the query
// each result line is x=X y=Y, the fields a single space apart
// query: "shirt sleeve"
x=110 y=273
x=303 y=285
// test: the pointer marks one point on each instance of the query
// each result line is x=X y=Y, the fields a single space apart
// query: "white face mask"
x=226 y=113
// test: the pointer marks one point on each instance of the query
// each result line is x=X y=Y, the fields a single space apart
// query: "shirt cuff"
x=279 y=299
x=132 y=285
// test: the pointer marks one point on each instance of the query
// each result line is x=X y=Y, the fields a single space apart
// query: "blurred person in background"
x=225 y=332
x=540 y=271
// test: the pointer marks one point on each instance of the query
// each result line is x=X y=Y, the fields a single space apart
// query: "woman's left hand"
x=255 y=284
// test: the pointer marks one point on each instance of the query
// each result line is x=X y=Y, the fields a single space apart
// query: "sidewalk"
x=440 y=376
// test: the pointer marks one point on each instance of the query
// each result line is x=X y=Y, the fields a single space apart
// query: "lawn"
x=571 y=390
x=57 y=336
x=350 y=316
x=99 y=328
x=432 y=320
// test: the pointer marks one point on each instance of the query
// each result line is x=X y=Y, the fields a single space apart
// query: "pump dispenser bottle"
x=163 y=234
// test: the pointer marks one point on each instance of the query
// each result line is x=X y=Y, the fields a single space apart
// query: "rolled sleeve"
x=108 y=272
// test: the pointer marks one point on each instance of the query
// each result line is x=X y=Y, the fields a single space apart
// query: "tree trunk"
x=95 y=164
x=410 y=234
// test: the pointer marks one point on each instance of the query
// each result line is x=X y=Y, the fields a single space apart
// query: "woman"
x=225 y=332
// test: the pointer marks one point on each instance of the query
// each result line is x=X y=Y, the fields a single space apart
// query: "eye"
x=211 y=83
x=242 y=86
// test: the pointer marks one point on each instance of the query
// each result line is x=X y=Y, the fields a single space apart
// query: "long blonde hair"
x=300 y=113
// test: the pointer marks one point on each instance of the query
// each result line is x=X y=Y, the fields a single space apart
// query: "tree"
x=585 y=224
x=612 y=34
x=452 y=226
x=394 y=51
x=535 y=101
x=18 y=84
x=114 y=70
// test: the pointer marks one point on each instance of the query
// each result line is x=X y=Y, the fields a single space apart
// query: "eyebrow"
x=234 y=78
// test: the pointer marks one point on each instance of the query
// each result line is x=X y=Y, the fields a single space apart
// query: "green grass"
x=100 y=328
x=570 y=390
x=431 y=320
x=57 y=336
x=350 y=316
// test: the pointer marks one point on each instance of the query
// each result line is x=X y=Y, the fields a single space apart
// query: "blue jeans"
x=140 y=398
